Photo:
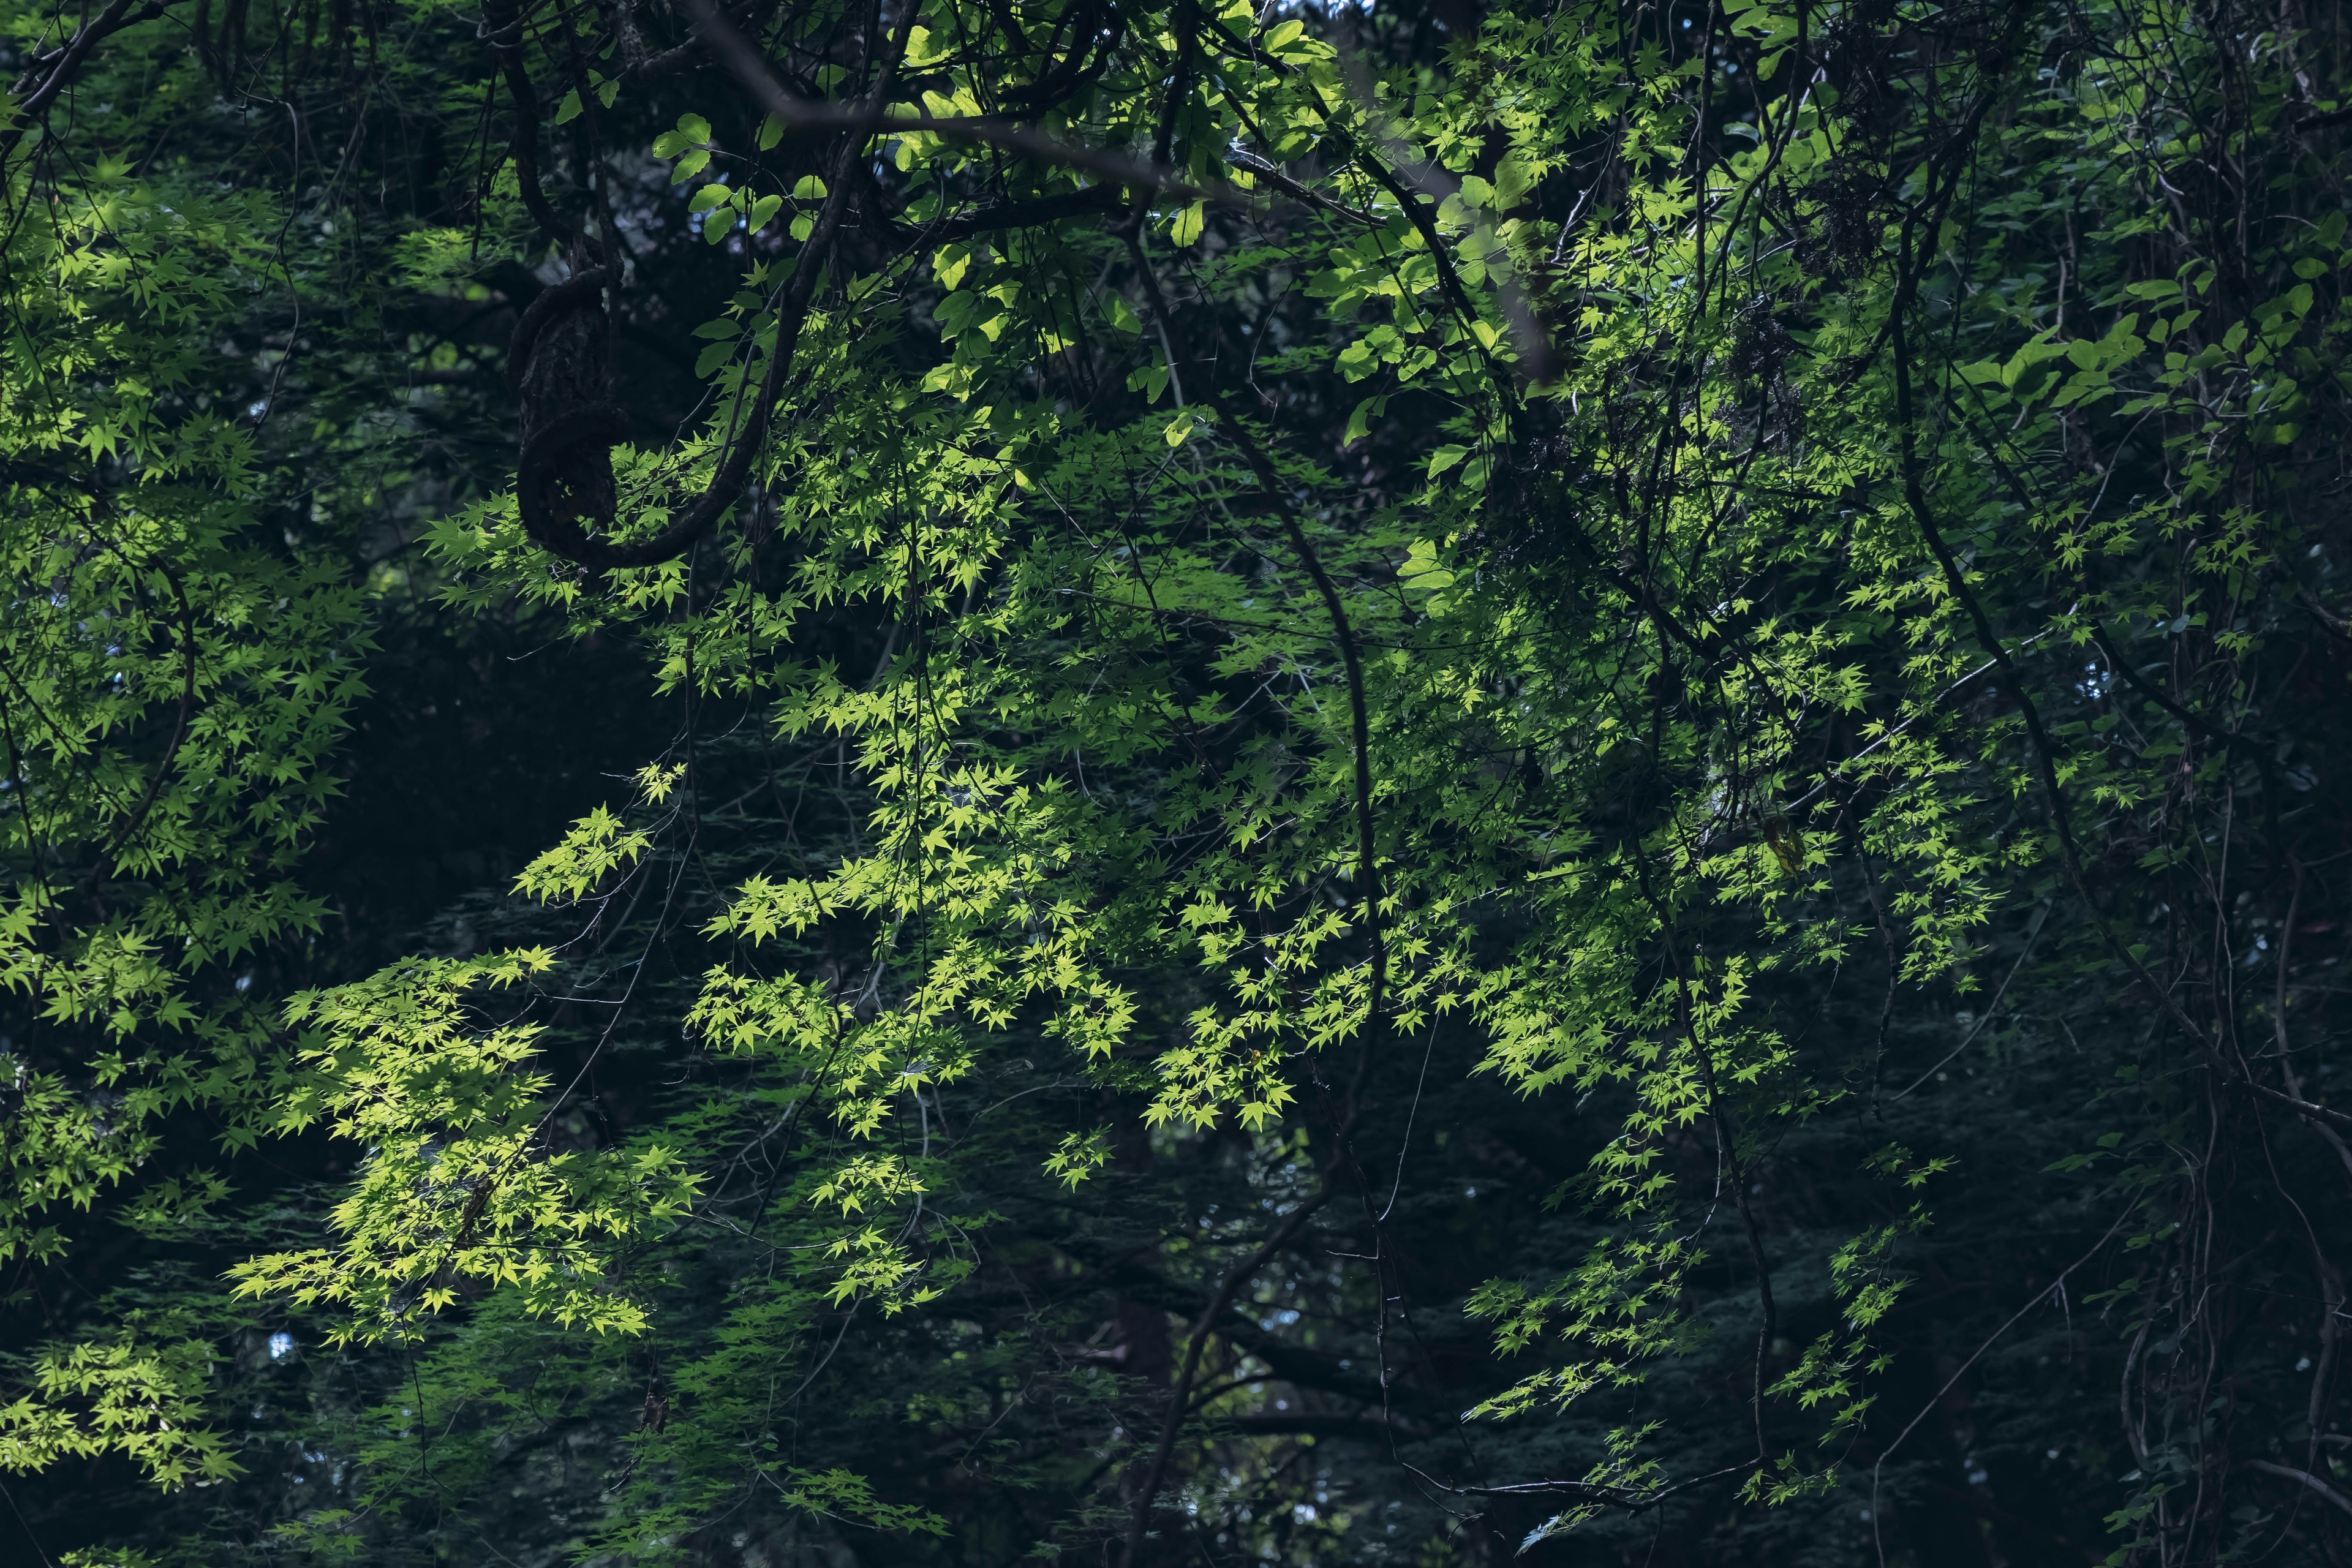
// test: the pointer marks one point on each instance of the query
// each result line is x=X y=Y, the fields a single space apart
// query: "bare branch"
x=2303 y=1478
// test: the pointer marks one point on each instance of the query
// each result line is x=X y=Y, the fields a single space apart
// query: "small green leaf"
x=569 y=109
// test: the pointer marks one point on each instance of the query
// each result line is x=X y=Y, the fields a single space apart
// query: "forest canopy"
x=957 y=781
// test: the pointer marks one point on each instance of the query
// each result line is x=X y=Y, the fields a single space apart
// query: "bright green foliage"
x=145 y=1399
x=1546 y=545
x=172 y=688
x=452 y=1190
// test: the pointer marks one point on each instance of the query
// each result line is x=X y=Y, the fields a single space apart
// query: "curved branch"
x=1367 y=889
x=544 y=519
x=1359 y=725
x=736 y=53
x=1539 y=359
x=557 y=530
x=573 y=293
x=2302 y=1478
x=31 y=474
x=504 y=35
x=1606 y=1496
x=66 y=63
x=1260 y=168
x=2039 y=1296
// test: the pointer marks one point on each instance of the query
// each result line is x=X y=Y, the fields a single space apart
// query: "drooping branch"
x=1539 y=361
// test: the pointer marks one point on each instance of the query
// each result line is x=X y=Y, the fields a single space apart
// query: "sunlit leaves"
x=457 y=1191
x=143 y=1397
x=174 y=679
x=1207 y=746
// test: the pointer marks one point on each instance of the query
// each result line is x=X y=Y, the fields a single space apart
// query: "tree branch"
x=735 y=52
x=1178 y=1403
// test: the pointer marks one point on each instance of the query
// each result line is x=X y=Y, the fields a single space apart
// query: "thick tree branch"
x=39 y=91
x=875 y=116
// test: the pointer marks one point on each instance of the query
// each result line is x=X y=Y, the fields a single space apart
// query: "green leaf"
x=1421 y=570
x=949 y=265
x=1151 y=380
x=1512 y=179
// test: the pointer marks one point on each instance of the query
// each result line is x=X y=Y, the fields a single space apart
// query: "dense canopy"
x=953 y=781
